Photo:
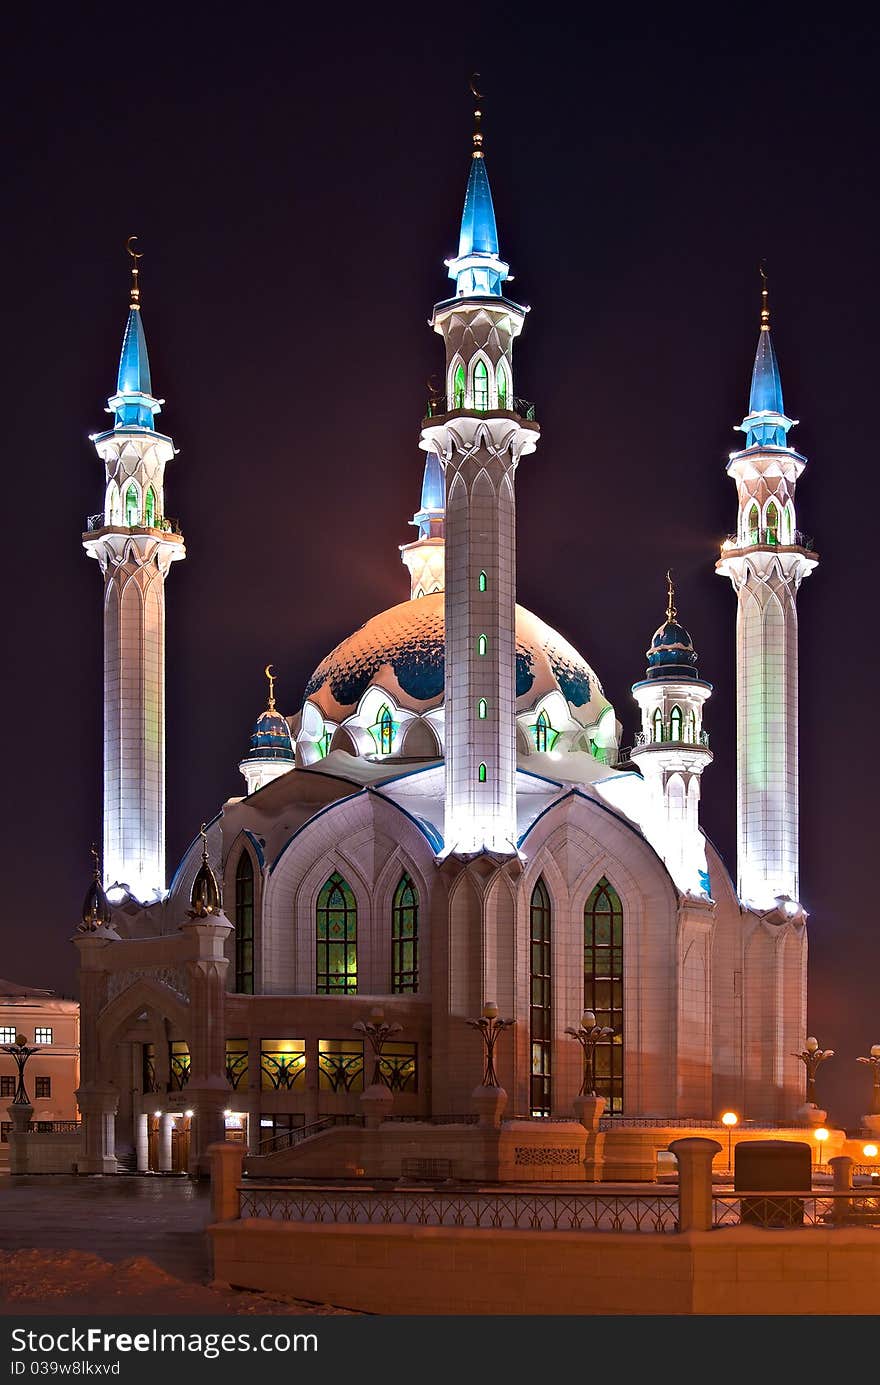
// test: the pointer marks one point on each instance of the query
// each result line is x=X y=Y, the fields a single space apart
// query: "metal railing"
x=781 y=1209
x=166 y=524
x=438 y=405
x=468 y=1118
x=771 y=538
x=648 y=1212
x=56 y=1127
x=287 y=1139
x=675 y=1123
x=648 y=738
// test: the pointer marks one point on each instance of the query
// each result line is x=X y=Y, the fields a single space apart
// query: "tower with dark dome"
x=271 y=750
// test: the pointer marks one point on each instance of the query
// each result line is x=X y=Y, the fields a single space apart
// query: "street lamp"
x=812 y=1057
x=378 y=1032
x=490 y=1026
x=873 y=1062
x=20 y=1053
x=820 y=1136
x=730 y=1119
x=588 y=1035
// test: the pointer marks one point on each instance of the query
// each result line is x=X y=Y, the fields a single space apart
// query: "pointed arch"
x=150 y=514
x=405 y=938
x=385 y=724
x=540 y=1001
x=657 y=726
x=483 y=582
x=603 y=985
x=753 y=523
x=676 y=722
x=132 y=504
x=457 y=383
x=787 y=527
x=771 y=522
x=482 y=646
x=480 y=384
x=482 y=709
x=112 y=505
x=244 y=923
x=502 y=385
x=481 y=774
x=336 y=936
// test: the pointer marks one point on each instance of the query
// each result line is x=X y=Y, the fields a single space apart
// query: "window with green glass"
x=481 y=386
x=237 y=1064
x=150 y=508
x=458 y=387
x=340 y=1065
x=244 y=925
x=540 y=1000
x=752 y=524
x=482 y=645
x=483 y=581
x=336 y=928
x=282 y=1064
x=772 y=523
x=323 y=744
x=545 y=736
x=501 y=378
x=675 y=723
x=398 y=1067
x=657 y=723
x=386 y=731
x=482 y=709
x=132 y=508
x=481 y=774
x=603 y=986
x=405 y=938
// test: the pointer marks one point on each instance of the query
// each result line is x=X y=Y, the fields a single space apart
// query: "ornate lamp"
x=378 y=1031
x=20 y=1052
x=588 y=1035
x=812 y=1058
x=490 y=1026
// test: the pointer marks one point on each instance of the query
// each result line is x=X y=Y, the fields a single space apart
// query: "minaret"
x=672 y=750
x=271 y=753
x=135 y=544
x=766 y=561
x=479 y=432
x=426 y=556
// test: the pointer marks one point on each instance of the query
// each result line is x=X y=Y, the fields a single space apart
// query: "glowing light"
x=227 y=1114
x=820 y=1135
x=157 y=1114
x=189 y=1114
x=870 y=1151
x=730 y=1118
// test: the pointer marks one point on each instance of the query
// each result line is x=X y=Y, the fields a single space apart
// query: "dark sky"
x=296 y=184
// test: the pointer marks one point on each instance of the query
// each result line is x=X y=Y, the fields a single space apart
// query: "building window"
x=131 y=506
x=772 y=523
x=405 y=938
x=545 y=736
x=7 y=1034
x=111 y=504
x=483 y=582
x=282 y=1064
x=690 y=733
x=244 y=924
x=481 y=386
x=481 y=774
x=399 y=1067
x=657 y=724
x=458 y=387
x=386 y=731
x=323 y=744
x=7 y=1086
x=482 y=709
x=675 y=722
x=541 y=1032
x=501 y=377
x=42 y=1034
x=149 y=1082
x=603 y=986
x=337 y=938
x=42 y=1086
x=340 y=1065
x=150 y=508
x=482 y=645
x=178 y=1064
x=237 y=1063
x=752 y=524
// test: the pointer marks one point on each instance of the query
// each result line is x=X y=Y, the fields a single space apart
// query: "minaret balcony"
x=165 y=525
x=439 y=406
x=767 y=538
x=665 y=738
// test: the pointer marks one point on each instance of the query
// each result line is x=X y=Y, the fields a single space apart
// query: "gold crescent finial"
x=271 y=677
x=478 y=115
x=671 y=612
x=765 y=305
x=135 y=256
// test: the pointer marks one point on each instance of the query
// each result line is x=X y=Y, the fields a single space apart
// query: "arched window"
x=501 y=379
x=150 y=508
x=482 y=645
x=788 y=523
x=603 y=986
x=481 y=386
x=657 y=724
x=132 y=507
x=481 y=774
x=482 y=709
x=458 y=387
x=752 y=524
x=336 y=931
x=386 y=730
x=483 y=581
x=244 y=925
x=675 y=723
x=112 y=509
x=545 y=736
x=405 y=938
x=772 y=523
x=540 y=1014
x=690 y=727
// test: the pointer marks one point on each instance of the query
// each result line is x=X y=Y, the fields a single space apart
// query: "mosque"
x=449 y=817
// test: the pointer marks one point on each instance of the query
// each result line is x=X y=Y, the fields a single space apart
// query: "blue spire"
x=479 y=234
x=134 y=404
x=431 y=513
x=766 y=423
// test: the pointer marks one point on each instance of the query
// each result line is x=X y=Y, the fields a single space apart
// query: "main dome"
x=402 y=650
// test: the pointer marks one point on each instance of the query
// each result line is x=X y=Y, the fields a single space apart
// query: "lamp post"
x=588 y=1035
x=378 y=1031
x=812 y=1057
x=730 y=1119
x=872 y=1121
x=820 y=1136
x=490 y=1026
x=20 y=1052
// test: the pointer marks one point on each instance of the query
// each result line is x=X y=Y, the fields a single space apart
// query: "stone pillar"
x=98 y=1109
x=695 y=1156
x=489 y=1103
x=20 y=1115
x=313 y=1081
x=142 y=1143
x=841 y=1169
x=376 y=1102
x=226 y=1161
x=208 y=1092
x=166 y=1125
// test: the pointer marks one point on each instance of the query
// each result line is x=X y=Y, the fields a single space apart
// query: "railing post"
x=841 y=1169
x=694 y=1155
x=226 y=1163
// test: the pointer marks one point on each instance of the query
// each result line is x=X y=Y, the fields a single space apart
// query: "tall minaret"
x=426 y=556
x=766 y=562
x=479 y=432
x=135 y=544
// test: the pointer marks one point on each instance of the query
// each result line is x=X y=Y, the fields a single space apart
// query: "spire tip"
x=765 y=305
x=135 y=288
x=478 y=115
x=671 y=612
x=271 y=677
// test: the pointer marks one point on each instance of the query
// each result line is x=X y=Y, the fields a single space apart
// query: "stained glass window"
x=150 y=508
x=237 y=1063
x=501 y=377
x=541 y=1032
x=386 y=731
x=772 y=523
x=458 y=387
x=178 y=1064
x=336 y=938
x=481 y=386
x=399 y=1067
x=405 y=938
x=603 y=986
x=340 y=1065
x=484 y=582
x=244 y=925
x=545 y=736
x=132 y=508
x=752 y=524
x=481 y=774
x=282 y=1064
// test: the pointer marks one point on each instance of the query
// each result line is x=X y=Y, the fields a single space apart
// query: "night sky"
x=296 y=185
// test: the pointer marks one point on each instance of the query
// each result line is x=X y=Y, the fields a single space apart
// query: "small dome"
x=270 y=739
x=672 y=653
